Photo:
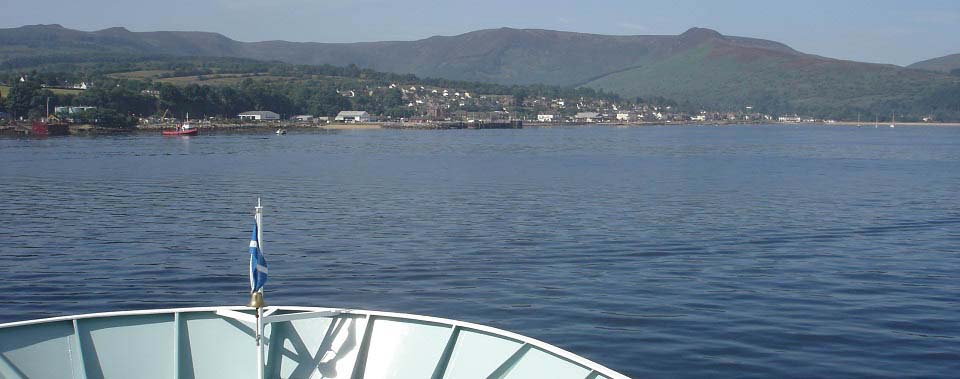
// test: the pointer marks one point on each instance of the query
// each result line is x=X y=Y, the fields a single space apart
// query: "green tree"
x=24 y=97
x=107 y=118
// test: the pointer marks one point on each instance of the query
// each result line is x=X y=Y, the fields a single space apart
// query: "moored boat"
x=182 y=130
x=46 y=128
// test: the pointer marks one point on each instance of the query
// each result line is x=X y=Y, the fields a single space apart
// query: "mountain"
x=700 y=67
x=945 y=63
x=505 y=56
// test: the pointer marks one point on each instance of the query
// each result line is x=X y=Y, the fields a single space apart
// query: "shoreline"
x=84 y=129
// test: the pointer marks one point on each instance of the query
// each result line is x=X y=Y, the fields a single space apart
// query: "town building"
x=259 y=116
x=352 y=116
x=303 y=118
x=793 y=118
x=547 y=117
x=587 y=117
x=627 y=116
x=69 y=110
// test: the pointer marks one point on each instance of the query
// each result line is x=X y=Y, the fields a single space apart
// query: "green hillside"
x=714 y=76
x=948 y=63
x=699 y=68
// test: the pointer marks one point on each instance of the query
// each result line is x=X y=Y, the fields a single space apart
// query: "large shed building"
x=259 y=116
x=353 y=116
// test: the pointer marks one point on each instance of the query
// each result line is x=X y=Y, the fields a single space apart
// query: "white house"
x=303 y=117
x=587 y=117
x=793 y=118
x=353 y=116
x=259 y=116
x=626 y=116
x=546 y=117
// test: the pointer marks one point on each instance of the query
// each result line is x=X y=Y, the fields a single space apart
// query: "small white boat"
x=281 y=131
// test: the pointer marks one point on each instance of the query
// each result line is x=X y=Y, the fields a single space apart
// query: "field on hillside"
x=5 y=90
x=64 y=91
x=235 y=79
x=217 y=79
x=140 y=75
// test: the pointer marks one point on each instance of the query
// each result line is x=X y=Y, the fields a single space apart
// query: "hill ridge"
x=700 y=66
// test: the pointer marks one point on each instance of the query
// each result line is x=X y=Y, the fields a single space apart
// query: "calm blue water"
x=657 y=251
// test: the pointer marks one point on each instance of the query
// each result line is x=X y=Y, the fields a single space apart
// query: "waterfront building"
x=587 y=117
x=546 y=117
x=303 y=118
x=627 y=116
x=69 y=110
x=259 y=116
x=352 y=116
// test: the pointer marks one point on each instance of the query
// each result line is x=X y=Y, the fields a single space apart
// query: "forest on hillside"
x=241 y=85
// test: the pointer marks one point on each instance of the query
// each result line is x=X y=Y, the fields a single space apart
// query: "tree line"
x=314 y=90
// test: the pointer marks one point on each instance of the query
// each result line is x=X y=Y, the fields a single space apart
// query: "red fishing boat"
x=47 y=128
x=182 y=130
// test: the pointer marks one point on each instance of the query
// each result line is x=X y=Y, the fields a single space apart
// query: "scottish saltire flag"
x=258 y=264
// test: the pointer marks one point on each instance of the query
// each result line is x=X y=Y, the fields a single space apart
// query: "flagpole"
x=258 y=218
x=259 y=343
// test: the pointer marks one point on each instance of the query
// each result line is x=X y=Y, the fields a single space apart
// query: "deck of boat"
x=301 y=342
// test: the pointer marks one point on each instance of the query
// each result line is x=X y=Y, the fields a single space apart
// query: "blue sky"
x=883 y=31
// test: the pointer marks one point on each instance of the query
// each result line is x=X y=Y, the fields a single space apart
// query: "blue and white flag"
x=258 y=264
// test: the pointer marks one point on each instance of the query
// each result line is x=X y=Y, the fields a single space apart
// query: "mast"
x=259 y=218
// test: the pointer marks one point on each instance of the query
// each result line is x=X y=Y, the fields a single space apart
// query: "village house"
x=352 y=116
x=547 y=117
x=628 y=116
x=259 y=116
x=303 y=118
x=587 y=117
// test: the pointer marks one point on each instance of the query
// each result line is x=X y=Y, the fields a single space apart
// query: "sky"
x=879 y=31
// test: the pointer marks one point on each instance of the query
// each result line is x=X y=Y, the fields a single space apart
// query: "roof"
x=259 y=113
x=352 y=113
x=587 y=115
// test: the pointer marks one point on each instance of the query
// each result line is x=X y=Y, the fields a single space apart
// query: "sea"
x=767 y=251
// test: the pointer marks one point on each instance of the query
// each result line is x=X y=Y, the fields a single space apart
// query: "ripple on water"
x=657 y=251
